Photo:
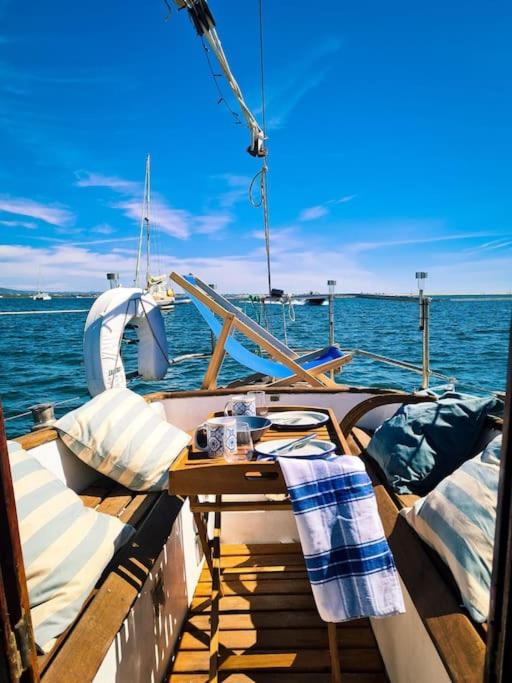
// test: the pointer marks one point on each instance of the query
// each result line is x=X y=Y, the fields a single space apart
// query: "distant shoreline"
x=339 y=295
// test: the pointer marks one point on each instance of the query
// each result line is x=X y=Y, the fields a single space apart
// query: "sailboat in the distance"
x=157 y=285
x=40 y=295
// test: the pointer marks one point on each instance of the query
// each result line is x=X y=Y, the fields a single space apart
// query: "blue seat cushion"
x=424 y=442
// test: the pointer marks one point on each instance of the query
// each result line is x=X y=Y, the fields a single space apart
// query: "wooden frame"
x=18 y=661
x=359 y=411
x=328 y=366
x=498 y=663
x=210 y=378
x=312 y=376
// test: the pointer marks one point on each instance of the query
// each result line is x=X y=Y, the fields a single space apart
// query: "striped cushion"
x=66 y=546
x=119 y=435
x=457 y=519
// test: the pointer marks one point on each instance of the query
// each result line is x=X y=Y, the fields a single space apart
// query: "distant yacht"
x=41 y=296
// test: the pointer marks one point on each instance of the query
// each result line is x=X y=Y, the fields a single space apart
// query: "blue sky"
x=389 y=138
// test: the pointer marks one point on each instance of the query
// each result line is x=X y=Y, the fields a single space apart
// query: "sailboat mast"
x=144 y=223
x=147 y=199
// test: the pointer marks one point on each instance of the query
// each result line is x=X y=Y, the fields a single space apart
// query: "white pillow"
x=458 y=520
x=119 y=435
x=66 y=546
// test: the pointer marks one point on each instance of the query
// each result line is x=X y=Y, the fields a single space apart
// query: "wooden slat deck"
x=270 y=631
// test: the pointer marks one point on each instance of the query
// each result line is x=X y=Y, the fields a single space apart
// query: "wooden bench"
x=80 y=650
x=460 y=642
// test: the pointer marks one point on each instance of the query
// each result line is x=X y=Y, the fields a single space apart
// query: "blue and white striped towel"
x=349 y=563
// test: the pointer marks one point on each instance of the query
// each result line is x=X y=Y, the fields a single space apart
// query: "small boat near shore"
x=41 y=296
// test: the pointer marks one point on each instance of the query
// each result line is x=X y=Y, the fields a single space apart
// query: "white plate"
x=304 y=419
x=309 y=450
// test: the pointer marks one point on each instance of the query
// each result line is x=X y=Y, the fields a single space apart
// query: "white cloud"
x=238 y=189
x=320 y=210
x=19 y=224
x=174 y=222
x=313 y=212
x=211 y=223
x=86 y=179
x=357 y=247
x=282 y=240
x=63 y=267
x=295 y=267
x=178 y=223
x=288 y=86
x=107 y=240
x=103 y=229
x=20 y=206
x=234 y=180
x=490 y=246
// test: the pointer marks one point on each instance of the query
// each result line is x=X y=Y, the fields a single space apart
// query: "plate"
x=304 y=419
x=311 y=449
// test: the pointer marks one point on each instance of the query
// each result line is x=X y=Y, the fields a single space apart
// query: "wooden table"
x=193 y=474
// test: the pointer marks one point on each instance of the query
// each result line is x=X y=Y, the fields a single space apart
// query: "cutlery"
x=292 y=445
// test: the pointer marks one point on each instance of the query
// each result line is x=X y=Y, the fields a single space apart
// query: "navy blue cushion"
x=424 y=442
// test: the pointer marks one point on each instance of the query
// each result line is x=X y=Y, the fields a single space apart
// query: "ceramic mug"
x=241 y=405
x=217 y=436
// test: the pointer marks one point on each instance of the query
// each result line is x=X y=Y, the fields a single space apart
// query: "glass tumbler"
x=244 y=445
x=261 y=402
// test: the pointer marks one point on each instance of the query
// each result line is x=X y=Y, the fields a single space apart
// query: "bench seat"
x=459 y=641
x=79 y=651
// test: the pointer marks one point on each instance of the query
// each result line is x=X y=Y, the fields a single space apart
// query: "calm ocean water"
x=41 y=355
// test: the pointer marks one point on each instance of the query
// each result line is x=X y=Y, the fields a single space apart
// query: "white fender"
x=104 y=327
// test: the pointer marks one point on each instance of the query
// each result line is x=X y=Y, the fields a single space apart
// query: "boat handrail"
x=411 y=367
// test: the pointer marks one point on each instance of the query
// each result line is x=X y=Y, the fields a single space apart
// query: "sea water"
x=41 y=355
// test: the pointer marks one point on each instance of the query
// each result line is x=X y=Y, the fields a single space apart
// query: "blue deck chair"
x=285 y=365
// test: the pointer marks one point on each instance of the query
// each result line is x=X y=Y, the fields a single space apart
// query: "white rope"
x=205 y=26
x=257 y=147
x=285 y=330
x=57 y=403
x=257 y=135
x=291 y=310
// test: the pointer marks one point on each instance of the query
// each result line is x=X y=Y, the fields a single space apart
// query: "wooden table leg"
x=202 y=530
x=214 y=614
x=333 y=651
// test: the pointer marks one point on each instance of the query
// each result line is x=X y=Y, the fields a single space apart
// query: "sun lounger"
x=284 y=365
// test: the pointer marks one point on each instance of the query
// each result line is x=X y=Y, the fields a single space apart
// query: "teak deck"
x=270 y=631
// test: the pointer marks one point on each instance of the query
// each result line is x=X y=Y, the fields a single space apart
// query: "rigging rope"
x=264 y=166
x=262 y=202
x=204 y=24
x=262 y=69
x=222 y=99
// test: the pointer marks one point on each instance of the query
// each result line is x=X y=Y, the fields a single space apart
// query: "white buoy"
x=103 y=333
